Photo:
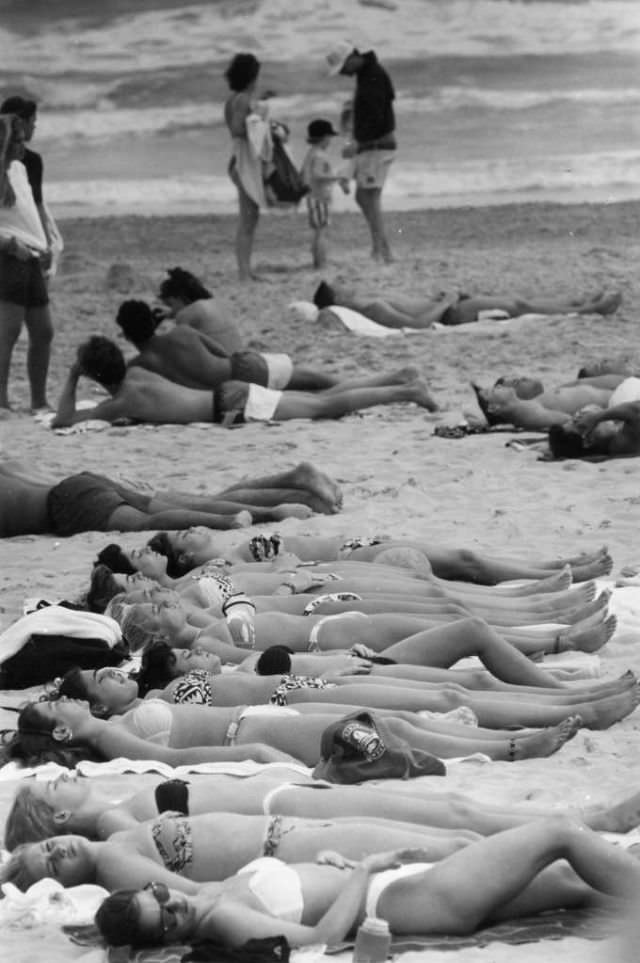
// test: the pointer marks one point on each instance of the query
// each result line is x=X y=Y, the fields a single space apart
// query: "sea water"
x=496 y=100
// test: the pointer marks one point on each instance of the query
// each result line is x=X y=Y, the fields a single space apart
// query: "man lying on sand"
x=524 y=402
x=402 y=312
x=186 y=300
x=141 y=395
x=88 y=502
x=191 y=358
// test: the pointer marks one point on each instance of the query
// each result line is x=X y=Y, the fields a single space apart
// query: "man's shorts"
x=22 y=282
x=235 y=402
x=86 y=502
x=372 y=167
x=318 y=211
x=268 y=369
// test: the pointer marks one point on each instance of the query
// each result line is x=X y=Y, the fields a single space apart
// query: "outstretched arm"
x=629 y=413
x=67 y=414
x=113 y=742
x=120 y=866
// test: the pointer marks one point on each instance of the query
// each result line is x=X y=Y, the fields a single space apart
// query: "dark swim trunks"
x=86 y=502
x=249 y=366
x=173 y=796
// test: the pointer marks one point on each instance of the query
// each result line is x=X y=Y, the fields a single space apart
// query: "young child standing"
x=317 y=172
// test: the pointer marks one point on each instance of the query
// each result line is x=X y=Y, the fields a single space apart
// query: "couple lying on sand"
x=400 y=311
x=198 y=371
x=598 y=415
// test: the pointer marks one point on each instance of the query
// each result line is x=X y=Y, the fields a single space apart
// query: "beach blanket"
x=557 y=925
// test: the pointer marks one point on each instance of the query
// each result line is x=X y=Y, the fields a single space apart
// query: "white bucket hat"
x=337 y=56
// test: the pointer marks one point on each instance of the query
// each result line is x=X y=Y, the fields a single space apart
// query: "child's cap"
x=318 y=129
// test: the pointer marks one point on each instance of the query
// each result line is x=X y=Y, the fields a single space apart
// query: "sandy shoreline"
x=397 y=478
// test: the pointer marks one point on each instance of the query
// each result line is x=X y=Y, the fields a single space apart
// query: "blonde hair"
x=30 y=819
x=137 y=627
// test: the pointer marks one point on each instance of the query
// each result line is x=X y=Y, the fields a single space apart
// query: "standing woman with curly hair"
x=251 y=146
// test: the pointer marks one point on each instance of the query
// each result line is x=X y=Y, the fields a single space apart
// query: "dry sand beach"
x=396 y=476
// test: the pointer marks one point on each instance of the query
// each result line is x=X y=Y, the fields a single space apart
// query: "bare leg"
x=163 y=501
x=457 y=895
x=38 y=322
x=369 y=201
x=249 y=215
x=337 y=404
x=11 y=318
x=304 y=477
x=127 y=519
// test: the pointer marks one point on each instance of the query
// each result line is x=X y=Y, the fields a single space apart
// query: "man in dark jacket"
x=373 y=133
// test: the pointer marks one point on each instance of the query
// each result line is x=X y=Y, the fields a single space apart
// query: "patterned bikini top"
x=194 y=688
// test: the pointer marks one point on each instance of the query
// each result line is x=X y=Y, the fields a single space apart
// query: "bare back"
x=213 y=318
x=182 y=356
x=23 y=506
x=146 y=396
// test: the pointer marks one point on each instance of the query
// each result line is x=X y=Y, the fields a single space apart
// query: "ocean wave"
x=601 y=175
x=91 y=115
x=279 y=31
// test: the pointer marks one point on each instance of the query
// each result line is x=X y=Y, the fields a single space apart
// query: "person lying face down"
x=144 y=396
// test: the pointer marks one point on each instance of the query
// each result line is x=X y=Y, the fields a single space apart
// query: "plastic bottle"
x=373 y=941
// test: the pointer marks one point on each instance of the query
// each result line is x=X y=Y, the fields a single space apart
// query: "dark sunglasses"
x=161 y=894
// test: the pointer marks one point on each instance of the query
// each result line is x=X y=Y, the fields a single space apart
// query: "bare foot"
x=291 y=510
x=587 y=637
x=605 y=712
x=605 y=305
x=619 y=818
x=583 y=611
x=404 y=376
x=599 y=567
x=242 y=520
x=421 y=396
x=327 y=490
x=545 y=742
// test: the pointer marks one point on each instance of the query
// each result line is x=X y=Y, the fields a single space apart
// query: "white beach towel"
x=359 y=324
x=58 y=620
x=48 y=901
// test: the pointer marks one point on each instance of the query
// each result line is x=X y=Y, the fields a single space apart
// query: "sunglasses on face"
x=160 y=893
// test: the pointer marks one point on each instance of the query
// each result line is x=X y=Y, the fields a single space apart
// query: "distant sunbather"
x=402 y=312
x=524 y=403
x=140 y=395
x=88 y=502
x=607 y=431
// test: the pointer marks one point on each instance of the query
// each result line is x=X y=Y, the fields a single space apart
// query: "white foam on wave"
x=100 y=119
x=279 y=30
x=598 y=176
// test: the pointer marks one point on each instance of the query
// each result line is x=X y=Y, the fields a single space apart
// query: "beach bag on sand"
x=361 y=746
x=285 y=180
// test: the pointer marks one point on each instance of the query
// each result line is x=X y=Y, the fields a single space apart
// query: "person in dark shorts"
x=92 y=502
x=24 y=257
x=143 y=396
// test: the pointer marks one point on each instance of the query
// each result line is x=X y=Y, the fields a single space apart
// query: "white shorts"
x=261 y=403
x=372 y=167
x=280 y=367
x=628 y=390
x=381 y=882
